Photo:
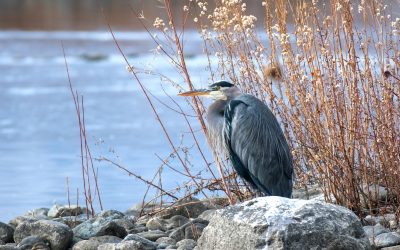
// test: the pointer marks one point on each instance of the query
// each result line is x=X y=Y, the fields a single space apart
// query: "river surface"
x=39 y=135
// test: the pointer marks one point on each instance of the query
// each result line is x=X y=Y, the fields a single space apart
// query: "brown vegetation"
x=331 y=76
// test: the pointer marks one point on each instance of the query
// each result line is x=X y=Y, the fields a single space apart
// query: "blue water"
x=39 y=136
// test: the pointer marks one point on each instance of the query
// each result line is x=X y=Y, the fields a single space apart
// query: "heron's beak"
x=196 y=92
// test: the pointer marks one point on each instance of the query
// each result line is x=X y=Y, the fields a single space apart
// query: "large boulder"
x=57 y=234
x=281 y=223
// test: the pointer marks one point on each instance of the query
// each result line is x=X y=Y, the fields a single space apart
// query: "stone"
x=57 y=234
x=126 y=222
x=391 y=248
x=308 y=193
x=152 y=235
x=6 y=232
x=387 y=239
x=176 y=221
x=103 y=224
x=190 y=208
x=162 y=246
x=166 y=240
x=132 y=212
x=194 y=231
x=39 y=213
x=19 y=219
x=67 y=210
x=29 y=242
x=281 y=223
x=181 y=232
x=40 y=246
x=137 y=229
x=94 y=242
x=215 y=203
x=206 y=215
x=72 y=221
x=113 y=214
x=128 y=245
x=375 y=192
x=386 y=220
x=157 y=224
x=144 y=243
x=9 y=247
x=186 y=244
x=171 y=247
x=373 y=231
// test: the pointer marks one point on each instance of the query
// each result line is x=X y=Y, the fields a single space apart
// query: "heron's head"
x=221 y=90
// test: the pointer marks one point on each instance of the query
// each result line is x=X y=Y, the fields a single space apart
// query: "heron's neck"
x=215 y=112
x=215 y=121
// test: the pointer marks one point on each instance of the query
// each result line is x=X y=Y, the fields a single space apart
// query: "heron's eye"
x=215 y=88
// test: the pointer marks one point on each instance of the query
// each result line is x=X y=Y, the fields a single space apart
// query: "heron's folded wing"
x=255 y=139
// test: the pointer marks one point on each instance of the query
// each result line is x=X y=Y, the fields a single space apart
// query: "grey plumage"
x=247 y=130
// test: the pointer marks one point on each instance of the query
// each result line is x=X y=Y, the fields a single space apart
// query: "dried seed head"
x=273 y=71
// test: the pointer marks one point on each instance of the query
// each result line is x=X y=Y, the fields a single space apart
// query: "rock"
x=9 y=247
x=311 y=192
x=189 y=229
x=190 y=208
x=194 y=231
x=103 y=224
x=386 y=220
x=387 y=239
x=138 y=210
x=374 y=192
x=281 y=223
x=391 y=248
x=57 y=234
x=19 y=219
x=157 y=224
x=38 y=213
x=206 y=215
x=162 y=246
x=61 y=211
x=186 y=244
x=152 y=235
x=128 y=245
x=144 y=243
x=110 y=214
x=215 y=203
x=126 y=222
x=176 y=221
x=41 y=246
x=166 y=240
x=6 y=233
x=137 y=229
x=132 y=212
x=171 y=247
x=72 y=221
x=29 y=242
x=95 y=242
x=373 y=231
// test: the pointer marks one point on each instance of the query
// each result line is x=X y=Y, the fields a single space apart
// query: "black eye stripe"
x=220 y=84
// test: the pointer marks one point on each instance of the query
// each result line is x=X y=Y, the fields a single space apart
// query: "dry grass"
x=331 y=76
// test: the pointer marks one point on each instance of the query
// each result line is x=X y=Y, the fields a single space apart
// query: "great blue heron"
x=247 y=130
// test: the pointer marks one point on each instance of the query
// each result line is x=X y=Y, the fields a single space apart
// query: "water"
x=39 y=136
